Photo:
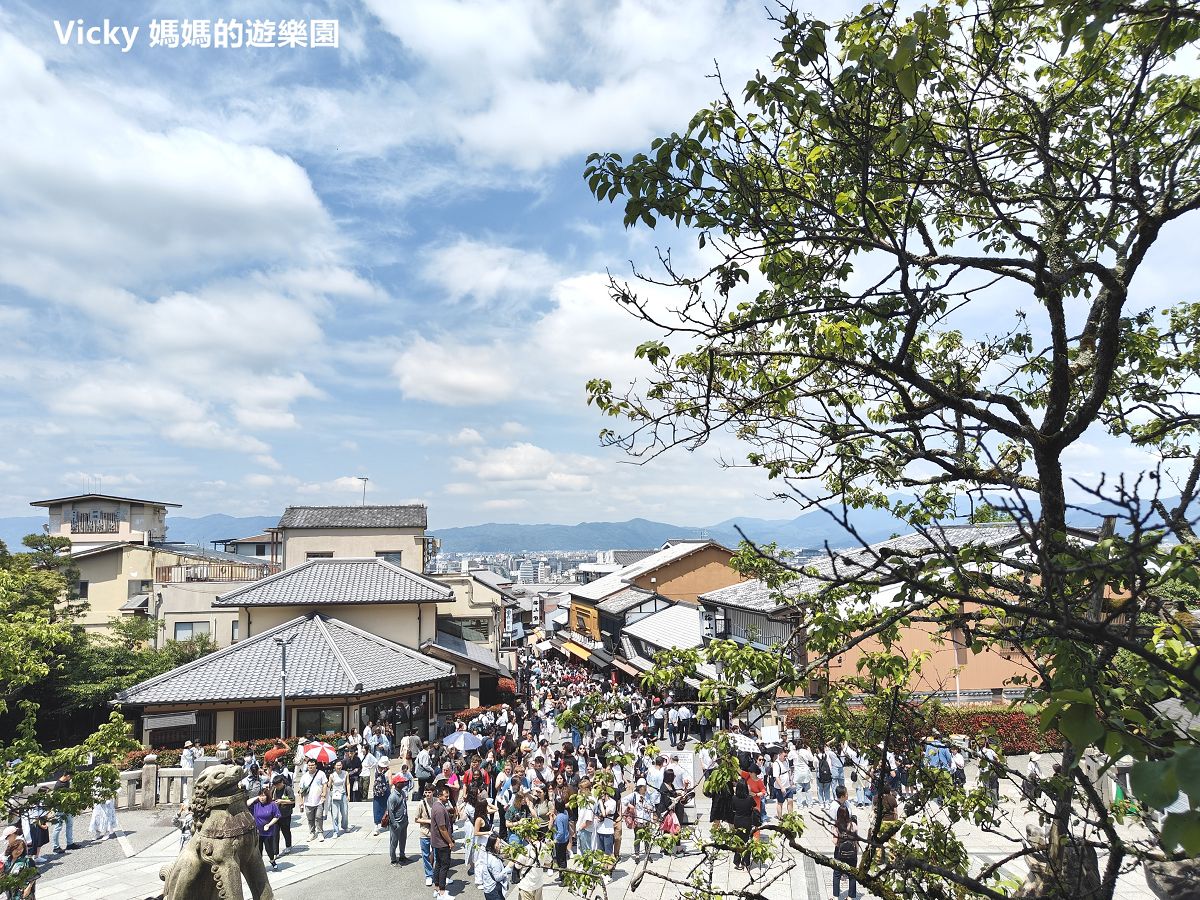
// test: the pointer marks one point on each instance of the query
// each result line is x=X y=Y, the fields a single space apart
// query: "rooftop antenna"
x=364 y=479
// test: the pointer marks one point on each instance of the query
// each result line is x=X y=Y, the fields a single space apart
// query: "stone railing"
x=170 y=785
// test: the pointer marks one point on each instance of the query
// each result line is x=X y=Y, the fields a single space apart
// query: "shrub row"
x=1011 y=731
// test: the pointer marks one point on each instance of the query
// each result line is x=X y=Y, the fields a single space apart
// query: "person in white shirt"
x=605 y=813
x=370 y=764
x=781 y=775
x=312 y=788
x=801 y=759
x=585 y=824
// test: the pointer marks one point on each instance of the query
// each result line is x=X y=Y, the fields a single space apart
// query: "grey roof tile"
x=629 y=557
x=326 y=658
x=862 y=563
x=410 y=516
x=623 y=601
x=338 y=582
x=466 y=650
x=675 y=626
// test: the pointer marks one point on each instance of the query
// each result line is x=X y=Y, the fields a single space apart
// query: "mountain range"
x=812 y=530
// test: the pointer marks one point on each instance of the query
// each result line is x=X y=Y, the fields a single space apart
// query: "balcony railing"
x=105 y=524
x=213 y=572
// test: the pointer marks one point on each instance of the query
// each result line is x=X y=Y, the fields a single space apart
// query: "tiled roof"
x=675 y=626
x=629 y=557
x=412 y=516
x=338 y=582
x=623 y=601
x=610 y=584
x=476 y=655
x=326 y=658
x=868 y=564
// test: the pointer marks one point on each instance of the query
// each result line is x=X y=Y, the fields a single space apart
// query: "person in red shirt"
x=758 y=787
x=280 y=749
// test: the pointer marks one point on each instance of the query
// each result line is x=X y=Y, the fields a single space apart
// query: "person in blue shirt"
x=937 y=755
x=562 y=834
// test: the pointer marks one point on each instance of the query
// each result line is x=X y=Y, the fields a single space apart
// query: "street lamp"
x=283 y=642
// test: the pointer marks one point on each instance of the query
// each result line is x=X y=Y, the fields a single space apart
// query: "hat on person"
x=641 y=782
x=9 y=832
x=399 y=778
x=186 y=744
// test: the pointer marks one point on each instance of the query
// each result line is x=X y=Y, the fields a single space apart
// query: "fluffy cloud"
x=483 y=273
x=455 y=373
x=528 y=467
x=466 y=437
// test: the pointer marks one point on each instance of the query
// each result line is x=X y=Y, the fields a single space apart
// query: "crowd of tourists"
x=506 y=778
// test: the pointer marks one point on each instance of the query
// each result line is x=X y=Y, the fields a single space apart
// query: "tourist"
x=187 y=762
x=493 y=871
x=781 y=778
x=104 y=814
x=745 y=815
x=423 y=823
x=312 y=789
x=958 y=766
x=64 y=822
x=845 y=842
x=825 y=761
x=585 y=822
x=441 y=840
x=18 y=864
x=380 y=790
x=397 y=815
x=532 y=875
x=267 y=816
x=561 y=834
x=339 y=799
x=285 y=799
x=802 y=762
x=184 y=821
x=605 y=813
x=253 y=781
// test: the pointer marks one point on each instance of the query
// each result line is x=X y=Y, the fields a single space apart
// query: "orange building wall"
x=686 y=579
x=983 y=671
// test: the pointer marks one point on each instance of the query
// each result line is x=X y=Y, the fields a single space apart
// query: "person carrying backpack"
x=845 y=843
x=824 y=774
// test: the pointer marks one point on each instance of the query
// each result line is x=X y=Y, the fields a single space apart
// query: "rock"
x=1174 y=880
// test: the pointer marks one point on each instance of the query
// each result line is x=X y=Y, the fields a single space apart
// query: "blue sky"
x=236 y=279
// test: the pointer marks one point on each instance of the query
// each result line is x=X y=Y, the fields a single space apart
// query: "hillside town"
x=522 y=450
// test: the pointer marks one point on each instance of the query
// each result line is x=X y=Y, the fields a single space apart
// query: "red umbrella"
x=320 y=751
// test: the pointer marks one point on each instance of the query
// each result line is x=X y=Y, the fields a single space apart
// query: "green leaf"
x=1154 y=783
x=1187 y=772
x=1182 y=830
x=1080 y=725
x=906 y=83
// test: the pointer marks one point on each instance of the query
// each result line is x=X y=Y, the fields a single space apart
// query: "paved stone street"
x=358 y=859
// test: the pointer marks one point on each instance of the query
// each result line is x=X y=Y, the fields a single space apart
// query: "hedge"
x=1013 y=731
x=169 y=758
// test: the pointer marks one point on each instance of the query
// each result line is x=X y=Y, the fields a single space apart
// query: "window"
x=260 y=549
x=455 y=693
x=320 y=721
x=256 y=724
x=185 y=631
x=319 y=554
x=468 y=629
x=203 y=732
x=235 y=631
x=392 y=556
x=83 y=590
x=404 y=714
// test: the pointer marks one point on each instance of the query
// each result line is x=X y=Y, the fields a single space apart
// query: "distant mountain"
x=202 y=530
x=811 y=530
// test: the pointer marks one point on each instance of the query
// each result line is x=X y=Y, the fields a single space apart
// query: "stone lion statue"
x=223 y=847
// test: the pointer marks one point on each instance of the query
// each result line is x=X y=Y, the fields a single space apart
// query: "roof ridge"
x=209 y=657
x=220 y=599
x=355 y=682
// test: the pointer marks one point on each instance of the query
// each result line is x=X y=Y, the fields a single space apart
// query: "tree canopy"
x=919 y=238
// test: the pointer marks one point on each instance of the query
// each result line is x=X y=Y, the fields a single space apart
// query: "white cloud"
x=466 y=437
x=268 y=462
x=211 y=435
x=513 y=429
x=526 y=466
x=511 y=503
x=455 y=373
x=105 y=479
x=258 y=480
x=484 y=273
x=339 y=487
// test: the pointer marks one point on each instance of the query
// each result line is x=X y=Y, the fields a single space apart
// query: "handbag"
x=630 y=817
x=670 y=824
x=385 y=821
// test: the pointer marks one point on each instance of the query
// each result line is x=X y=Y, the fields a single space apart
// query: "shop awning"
x=626 y=668
x=576 y=650
x=543 y=646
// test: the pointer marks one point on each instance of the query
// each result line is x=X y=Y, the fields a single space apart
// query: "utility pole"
x=364 y=479
x=283 y=642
